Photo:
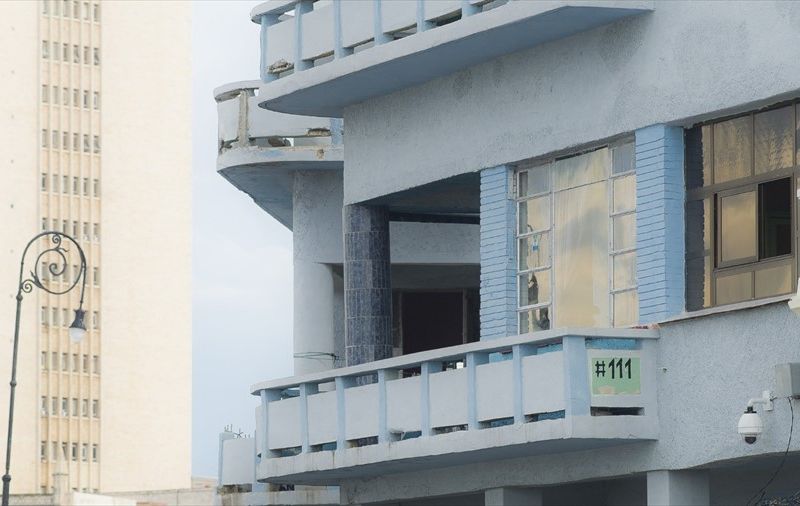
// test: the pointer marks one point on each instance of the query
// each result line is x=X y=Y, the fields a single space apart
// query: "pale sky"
x=242 y=257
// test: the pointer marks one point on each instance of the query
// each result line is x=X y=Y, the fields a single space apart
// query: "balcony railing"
x=594 y=385
x=241 y=123
x=359 y=49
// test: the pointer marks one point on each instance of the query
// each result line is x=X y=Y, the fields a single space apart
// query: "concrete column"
x=513 y=497
x=673 y=488
x=313 y=317
x=660 y=225
x=498 y=255
x=367 y=284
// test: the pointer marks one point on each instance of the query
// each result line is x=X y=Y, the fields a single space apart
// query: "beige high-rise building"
x=95 y=142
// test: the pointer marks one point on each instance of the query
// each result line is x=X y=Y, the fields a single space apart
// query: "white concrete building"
x=96 y=144
x=542 y=250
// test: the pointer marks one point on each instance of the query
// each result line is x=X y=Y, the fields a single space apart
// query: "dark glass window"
x=740 y=178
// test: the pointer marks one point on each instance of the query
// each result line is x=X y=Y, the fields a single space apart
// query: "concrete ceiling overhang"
x=327 y=89
x=267 y=174
x=455 y=196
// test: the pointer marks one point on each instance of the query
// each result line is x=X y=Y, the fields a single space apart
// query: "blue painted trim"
x=498 y=288
x=468 y=8
x=660 y=222
x=300 y=8
x=341 y=411
x=473 y=361
x=519 y=352
x=425 y=395
x=383 y=409
x=612 y=344
x=306 y=389
x=377 y=24
x=267 y=20
x=576 y=377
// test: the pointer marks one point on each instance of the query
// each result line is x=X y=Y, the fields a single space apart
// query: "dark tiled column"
x=367 y=284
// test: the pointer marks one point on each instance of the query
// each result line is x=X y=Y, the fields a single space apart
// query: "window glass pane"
x=733 y=147
x=625 y=270
x=623 y=159
x=738 y=227
x=624 y=231
x=624 y=194
x=534 y=288
x=582 y=169
x=534 y=251
x=775 y=280
x=774 y=139
x=775 y=218
x=734 y=287
x=534 y=180
x=534 y=320
x=626 y=308
x=534 y=215
x=580 y=257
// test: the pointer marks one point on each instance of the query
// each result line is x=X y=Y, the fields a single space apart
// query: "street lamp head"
x=78 y=329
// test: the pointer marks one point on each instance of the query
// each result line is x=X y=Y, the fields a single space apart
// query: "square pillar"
x=367 y=284
x=507 y=496
x=498 y=289
x=660 y=222
x=678 y=488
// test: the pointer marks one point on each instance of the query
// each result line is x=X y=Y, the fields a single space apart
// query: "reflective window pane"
x=580 y=256
x=738 y=227
x=534 y=320
x=733 y=148
x=624 y=194
x=774 y=139
x=623 y=158
x=582 y=169
x=534 y=181
x=624 y=231
x=534 y=288
x=775 y=218
x=534 y=251
x=774 y=280
x=626 y=308
x=534 y=214
x=624 y=270
x=734 y=287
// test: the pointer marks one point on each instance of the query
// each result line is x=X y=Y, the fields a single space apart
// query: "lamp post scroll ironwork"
x=53 y=260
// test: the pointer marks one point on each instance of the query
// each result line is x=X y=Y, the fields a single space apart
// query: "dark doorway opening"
x=436 y=319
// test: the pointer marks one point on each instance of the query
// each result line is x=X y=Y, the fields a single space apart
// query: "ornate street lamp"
x=54 y=261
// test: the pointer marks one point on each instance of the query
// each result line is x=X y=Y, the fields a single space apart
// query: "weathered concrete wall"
x=707 y=369
x=684 y=60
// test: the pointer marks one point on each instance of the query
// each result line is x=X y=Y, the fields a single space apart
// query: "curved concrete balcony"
x=554 y=391
x=259 y=149
x=318 y=56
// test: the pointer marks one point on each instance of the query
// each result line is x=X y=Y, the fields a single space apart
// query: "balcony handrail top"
x=454 y=352
x=271 y=7
x=230 y=90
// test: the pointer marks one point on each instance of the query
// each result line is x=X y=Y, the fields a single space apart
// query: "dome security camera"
x=750 y=425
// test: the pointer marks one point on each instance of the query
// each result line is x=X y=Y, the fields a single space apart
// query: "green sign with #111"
x=615 y=375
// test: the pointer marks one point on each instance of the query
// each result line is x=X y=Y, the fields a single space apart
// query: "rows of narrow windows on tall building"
x=72 y=9
x=91 y=232
x=61 y=140
x=70 y=53
x=52 y=318
x=80 y=363
x=69 y=451
x=70 y=97
x=76 y=186
x=55 y=406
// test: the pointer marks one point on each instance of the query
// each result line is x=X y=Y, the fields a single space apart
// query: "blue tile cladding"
x=498 y=253
x=660 y=225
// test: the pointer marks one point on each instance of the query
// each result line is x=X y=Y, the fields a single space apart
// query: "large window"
x=576 y=235
x=741 y=178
